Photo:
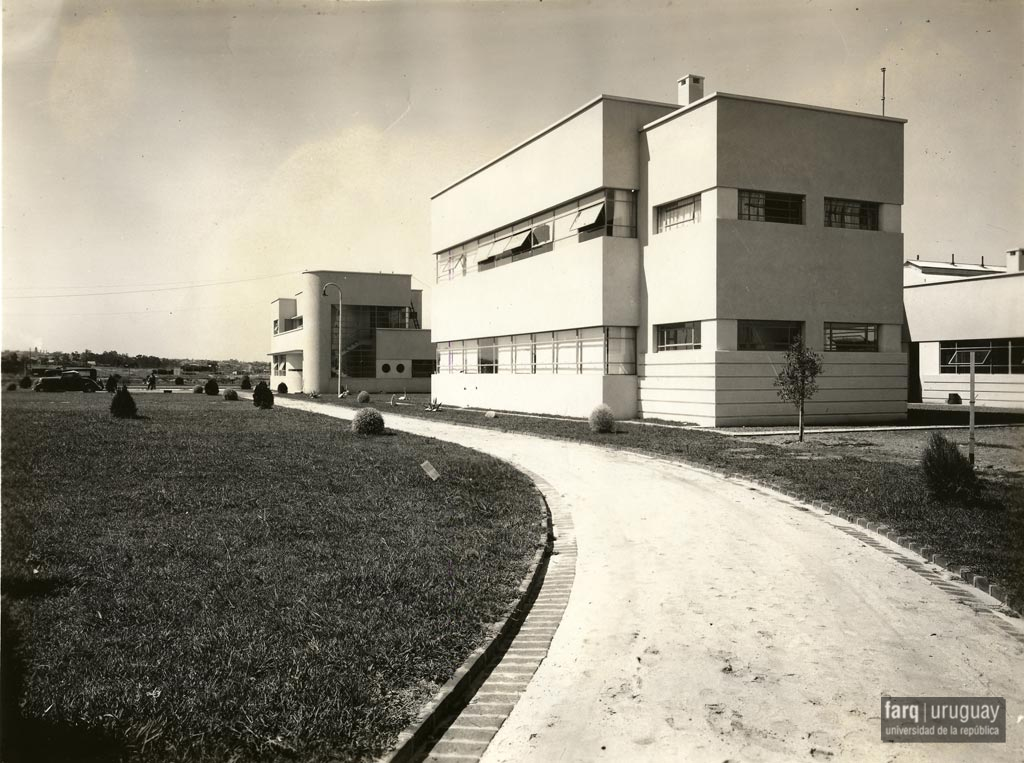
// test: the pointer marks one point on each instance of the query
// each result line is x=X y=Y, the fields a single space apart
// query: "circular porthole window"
x=386 y=368
x=400 y=368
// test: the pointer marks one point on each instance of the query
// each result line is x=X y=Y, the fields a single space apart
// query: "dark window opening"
x=767 y=335
x=770 y=207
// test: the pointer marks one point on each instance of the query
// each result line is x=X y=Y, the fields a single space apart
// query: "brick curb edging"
x=456 y=693
x=963 y=573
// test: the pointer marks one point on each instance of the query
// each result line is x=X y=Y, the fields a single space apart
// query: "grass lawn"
x=987 y=535
x=217 y=582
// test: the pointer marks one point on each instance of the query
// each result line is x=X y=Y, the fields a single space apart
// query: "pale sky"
x=153 y=145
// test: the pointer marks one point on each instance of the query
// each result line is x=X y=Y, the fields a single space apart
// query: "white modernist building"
x=660 y=257
x=953 y=307
x=383 y=348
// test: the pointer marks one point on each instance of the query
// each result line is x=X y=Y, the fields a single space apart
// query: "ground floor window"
x=678 y=336
x=422 y=369
x=279 y=366
x=992 y=356
x=591 y=350
x=767 y=335
x=851 y=337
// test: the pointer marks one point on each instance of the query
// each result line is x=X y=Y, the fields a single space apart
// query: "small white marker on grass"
x=430 y=470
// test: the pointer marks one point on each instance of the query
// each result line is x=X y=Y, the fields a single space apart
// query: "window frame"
x=661 y=330
x=867 y=213
x=777 y=347
x=770 y=200
x=868 y=345
x=693 y=201
x=1013 y=347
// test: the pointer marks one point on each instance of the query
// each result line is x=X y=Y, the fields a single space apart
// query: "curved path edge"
x=457 y=692
x=492 y=668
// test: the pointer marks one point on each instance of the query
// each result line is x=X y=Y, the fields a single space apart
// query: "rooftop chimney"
x=691 y=88
x=1015 y=261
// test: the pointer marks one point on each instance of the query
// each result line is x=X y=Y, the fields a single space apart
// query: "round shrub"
x=111 y=384
x=122 y=406
x=282 y=388
x=179 y=382
x=246 y=382
x=363 y=397
x=230 y=394
x=602 y=419
x=198 y=389
x=368 y=421
x=262 y=397
x=947 y=472
x=211 y=387
x=25 y=381
x=12 y=387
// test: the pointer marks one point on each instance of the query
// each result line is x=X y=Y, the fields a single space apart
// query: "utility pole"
x=324 y=293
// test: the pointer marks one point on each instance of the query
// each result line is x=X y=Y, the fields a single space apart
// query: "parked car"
x=69 y=381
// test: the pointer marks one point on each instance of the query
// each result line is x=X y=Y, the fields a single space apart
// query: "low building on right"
x=952 y=307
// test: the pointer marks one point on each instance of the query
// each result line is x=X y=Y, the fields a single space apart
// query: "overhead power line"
x=148 y=291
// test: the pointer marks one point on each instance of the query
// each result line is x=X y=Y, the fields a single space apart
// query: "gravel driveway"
x=710 y=621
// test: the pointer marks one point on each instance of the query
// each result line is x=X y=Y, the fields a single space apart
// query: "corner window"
x=276 y=325
x=846 y=213
x=851 y=337
x=677 y=213
x=767 y=335
x=771 y=207
x=678 y=336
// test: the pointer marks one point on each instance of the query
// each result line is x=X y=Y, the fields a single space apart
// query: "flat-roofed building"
x=966 y=308
x=382 y=346
x=661 y=257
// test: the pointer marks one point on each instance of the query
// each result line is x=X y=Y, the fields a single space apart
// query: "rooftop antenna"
x=883 y=91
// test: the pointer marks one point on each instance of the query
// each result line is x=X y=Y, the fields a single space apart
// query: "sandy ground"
x=998 y=449
x=710 y=621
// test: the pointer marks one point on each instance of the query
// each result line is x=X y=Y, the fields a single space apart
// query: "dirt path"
x=711 y=621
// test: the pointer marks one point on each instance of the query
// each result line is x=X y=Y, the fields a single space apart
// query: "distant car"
x=70 y=381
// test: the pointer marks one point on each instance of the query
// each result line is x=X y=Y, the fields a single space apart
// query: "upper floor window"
x=606 y=212
x=678 y=336
x=677 y=213
x=771 y=207
x=851 y=337
x=767 y=335
x=846 y=213
x=991 y=356
x=277 y=324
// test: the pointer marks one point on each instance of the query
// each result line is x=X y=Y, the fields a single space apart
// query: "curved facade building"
x=379 y=340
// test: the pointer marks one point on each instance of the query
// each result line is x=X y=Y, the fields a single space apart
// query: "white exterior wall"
x=557 y=394
x=721 y=270
x=990 y=307
x=596 y=282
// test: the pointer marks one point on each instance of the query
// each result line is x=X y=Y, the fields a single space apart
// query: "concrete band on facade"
x=523 y=261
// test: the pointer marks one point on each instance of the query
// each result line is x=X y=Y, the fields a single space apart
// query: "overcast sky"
x=165 y=148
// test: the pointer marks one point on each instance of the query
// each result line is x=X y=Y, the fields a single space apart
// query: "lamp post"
x=324 y=293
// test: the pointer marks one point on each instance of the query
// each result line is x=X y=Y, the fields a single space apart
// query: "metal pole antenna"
x=883 y=91
x=324 y=293
x=970 y=441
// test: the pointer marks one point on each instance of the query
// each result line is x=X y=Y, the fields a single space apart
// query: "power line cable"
x=148 y=291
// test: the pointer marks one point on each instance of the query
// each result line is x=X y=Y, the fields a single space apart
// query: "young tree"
x=796 y=381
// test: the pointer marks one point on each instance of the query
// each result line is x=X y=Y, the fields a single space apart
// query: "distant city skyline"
x=169 y=167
